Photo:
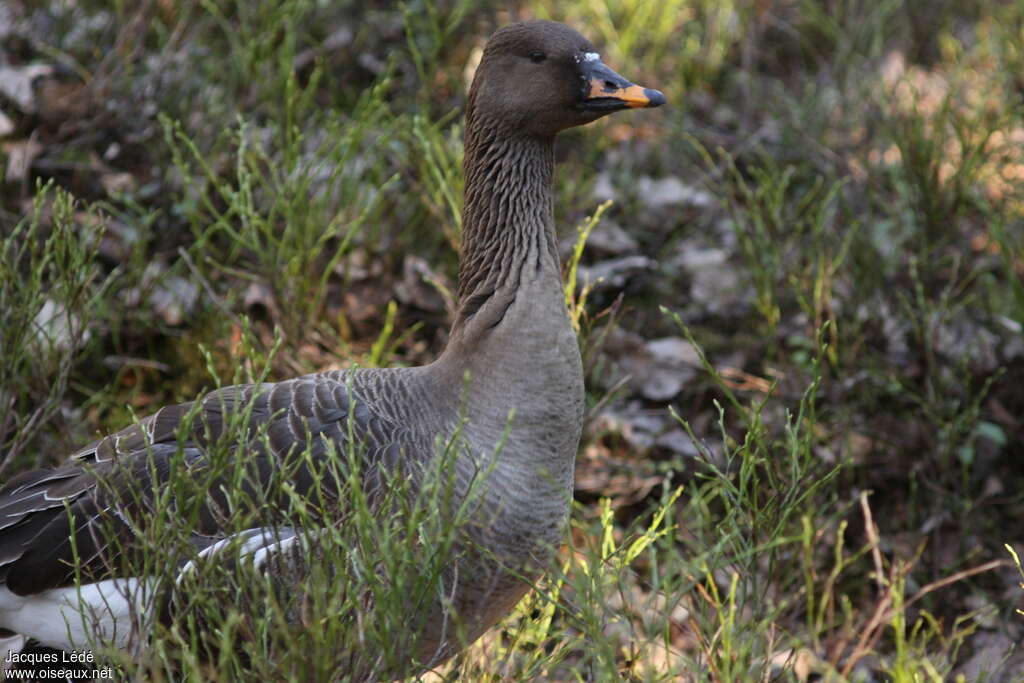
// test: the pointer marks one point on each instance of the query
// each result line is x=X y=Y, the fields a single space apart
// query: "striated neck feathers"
x=507 y=217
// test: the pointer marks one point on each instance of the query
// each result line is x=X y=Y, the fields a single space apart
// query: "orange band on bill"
x=632 y=96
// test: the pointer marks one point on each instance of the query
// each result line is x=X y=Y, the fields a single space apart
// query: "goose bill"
x=605 y=91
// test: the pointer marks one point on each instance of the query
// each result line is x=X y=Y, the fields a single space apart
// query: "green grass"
x=852 y=473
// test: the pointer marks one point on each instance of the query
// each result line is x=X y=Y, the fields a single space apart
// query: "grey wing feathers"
x=119 y=474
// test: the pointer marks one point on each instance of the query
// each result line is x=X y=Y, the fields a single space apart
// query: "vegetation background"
x=800 y=296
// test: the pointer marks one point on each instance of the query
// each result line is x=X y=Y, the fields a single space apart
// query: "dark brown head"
x=540 y=77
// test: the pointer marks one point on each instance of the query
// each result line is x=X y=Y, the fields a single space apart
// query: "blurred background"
x=800 y=297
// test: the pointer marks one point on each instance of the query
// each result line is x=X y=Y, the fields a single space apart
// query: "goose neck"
x=507 y=217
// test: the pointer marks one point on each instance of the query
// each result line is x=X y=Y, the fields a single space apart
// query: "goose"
x=509 y=382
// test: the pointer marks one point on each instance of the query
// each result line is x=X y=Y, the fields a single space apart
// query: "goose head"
x=541 y=77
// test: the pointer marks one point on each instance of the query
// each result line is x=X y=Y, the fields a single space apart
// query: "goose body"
x=509 y=385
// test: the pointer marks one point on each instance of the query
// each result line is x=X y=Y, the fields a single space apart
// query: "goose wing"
x=89 y=512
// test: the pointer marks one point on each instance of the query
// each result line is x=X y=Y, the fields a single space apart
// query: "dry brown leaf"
x=115 y=183
x=16 y=84
x=6 y=125
x=20 y=155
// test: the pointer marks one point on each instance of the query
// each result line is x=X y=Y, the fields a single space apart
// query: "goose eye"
x=537 y=57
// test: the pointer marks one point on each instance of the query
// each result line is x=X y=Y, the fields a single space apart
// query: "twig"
x=952 y=578
x=867 y=636
x=204 y=283
x=115 y=362
x=873 y=540
x=884 y=614
x=604 y=400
